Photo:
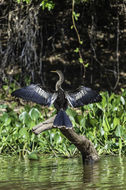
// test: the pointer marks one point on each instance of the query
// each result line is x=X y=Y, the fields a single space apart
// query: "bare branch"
x=46 y=125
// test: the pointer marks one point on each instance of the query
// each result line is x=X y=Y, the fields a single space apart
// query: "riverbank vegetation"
x=103 y=123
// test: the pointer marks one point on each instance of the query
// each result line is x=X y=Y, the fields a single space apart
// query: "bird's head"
x=58 y=72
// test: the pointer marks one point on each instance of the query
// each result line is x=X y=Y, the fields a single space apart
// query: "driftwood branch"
x=85 y=146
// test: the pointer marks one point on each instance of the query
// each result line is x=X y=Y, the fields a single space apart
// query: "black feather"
x=35 y=94
x=83 y=97
x=62 y=120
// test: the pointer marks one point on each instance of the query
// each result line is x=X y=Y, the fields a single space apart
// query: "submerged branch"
x=81 y=142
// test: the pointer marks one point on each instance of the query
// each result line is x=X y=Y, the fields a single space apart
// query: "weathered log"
x=84 y=145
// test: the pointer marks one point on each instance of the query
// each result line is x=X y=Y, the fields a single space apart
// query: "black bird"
x=60 y=98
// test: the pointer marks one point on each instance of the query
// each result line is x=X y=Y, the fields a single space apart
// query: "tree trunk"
x=89 y=153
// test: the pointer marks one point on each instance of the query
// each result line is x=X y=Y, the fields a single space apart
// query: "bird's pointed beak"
x=53 y=71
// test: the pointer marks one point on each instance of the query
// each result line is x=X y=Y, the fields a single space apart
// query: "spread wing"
x=83 y=96
x=35 y=94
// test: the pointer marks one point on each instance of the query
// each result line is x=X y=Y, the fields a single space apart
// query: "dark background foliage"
x=35 y=41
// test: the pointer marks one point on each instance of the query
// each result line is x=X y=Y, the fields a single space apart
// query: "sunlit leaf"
x=57 y=138
x=81 y=60
x=104 y=102
x=102 y=131
x=82 y=122
x=34 y=114
x=24 y=133
x=116 y=121
x=76 y=50
x=105 y=124
x=118 y=131
x=122 y=100
x=7 y=121
x=24 y=117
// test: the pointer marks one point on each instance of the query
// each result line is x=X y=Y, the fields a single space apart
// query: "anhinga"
x=60 y=98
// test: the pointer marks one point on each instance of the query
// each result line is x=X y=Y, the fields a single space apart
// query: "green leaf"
x=86 y=65
x=52 y=137
x=3 y=106
x=31 y=124
x=5 y=87
x=7 y=121
x=81 y=60
x=104 y=102
x=24 y=133
x=81 y=42
x=102 y=131
x=76 y=15
x=76 y=50
x=72 y=149
x=71 y=27
x=106 y=124
x=24 y=117
x=118 y=131
x=47 y=4
x=82 y=121
x=116 y=121
x=122 y=100
x=71 y=112
x=34 y=114
x=93 y=122
x=33 y=156
x=57 y=138
x=82 y=124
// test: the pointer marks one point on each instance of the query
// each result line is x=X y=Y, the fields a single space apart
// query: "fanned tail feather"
x=62 y=120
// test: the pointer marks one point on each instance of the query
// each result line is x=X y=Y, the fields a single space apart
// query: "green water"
x=59 y=173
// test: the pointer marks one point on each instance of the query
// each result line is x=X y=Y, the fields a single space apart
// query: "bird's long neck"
x=60 y=81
